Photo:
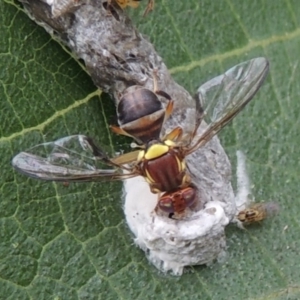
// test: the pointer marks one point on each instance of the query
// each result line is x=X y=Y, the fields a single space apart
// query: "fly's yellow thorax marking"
x=185 y=179
x=169 y=143
x=183 y=166
x=141 y=155
x=155 y=151
x=149 y=179
x=179 y=164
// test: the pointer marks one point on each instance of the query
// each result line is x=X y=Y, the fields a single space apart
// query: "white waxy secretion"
x=242 y=197
x=170 y=244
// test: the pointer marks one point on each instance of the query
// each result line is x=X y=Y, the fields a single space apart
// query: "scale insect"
x=257 y=212
x=160 y=160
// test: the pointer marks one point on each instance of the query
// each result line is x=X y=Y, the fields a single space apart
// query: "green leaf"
x=59 y=242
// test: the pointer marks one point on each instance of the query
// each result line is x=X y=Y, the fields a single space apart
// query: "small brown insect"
x=133 y=3
x=124 y=3
x=257 y=212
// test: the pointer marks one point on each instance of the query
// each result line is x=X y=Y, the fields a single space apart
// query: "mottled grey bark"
x=115 y=54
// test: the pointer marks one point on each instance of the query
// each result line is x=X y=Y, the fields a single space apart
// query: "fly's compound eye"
x=166 y=204
x=189 y=196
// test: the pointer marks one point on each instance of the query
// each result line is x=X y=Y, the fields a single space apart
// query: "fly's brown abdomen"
x=136 y=103
x=141 y=114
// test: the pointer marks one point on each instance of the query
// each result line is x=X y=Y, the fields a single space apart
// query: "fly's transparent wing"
x=223 y=97
x=73 y=158
x=235 y=88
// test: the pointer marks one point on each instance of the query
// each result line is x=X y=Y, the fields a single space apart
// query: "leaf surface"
x=59 y=242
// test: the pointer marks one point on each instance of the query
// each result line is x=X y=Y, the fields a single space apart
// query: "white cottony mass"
x=170 y=244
